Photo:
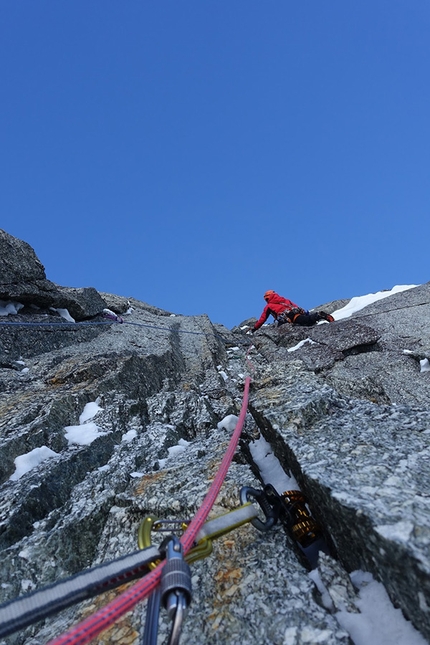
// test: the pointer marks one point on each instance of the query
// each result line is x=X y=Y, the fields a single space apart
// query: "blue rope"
x=89 y=323
x=53 y=324
x=106 y=322
x=168 y=329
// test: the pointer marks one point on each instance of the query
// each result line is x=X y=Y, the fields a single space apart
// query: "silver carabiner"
x=175 y=587
x=177 y=611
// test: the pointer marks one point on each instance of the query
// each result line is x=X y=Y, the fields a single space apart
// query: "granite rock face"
x=344 y=409
x=18 y=261
x=23 y=279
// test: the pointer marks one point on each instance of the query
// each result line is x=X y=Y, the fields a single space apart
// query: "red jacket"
x=275 y=306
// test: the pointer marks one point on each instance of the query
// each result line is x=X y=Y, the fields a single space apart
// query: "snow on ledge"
x=32 y=459
x=302 y=342
x=359 y=302
x=9 y=307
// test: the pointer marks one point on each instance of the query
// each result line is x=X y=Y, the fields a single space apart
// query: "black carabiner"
x=270 y=508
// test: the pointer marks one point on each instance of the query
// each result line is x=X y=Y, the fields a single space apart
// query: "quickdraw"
x=40 y=604
x=211 y=530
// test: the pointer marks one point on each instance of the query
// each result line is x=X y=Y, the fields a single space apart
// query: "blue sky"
x=193 y=154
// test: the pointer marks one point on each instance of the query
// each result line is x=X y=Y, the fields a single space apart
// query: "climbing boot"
x=325 y=316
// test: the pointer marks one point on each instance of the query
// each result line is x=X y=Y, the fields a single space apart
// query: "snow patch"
x=221 y=372
x=228 y=423
x=27 y=585
x=9 y=307
x=129 y=436
x=270 y=468
x=400 y=532
x=83 y=435
x=325 y=596
x=24 y=554
x=32 y=459
x=302 y=342
x=359 y=302
x=379 y=623
x=64 y=314
x=174 y=450
x=90 y=411
x=425 y=365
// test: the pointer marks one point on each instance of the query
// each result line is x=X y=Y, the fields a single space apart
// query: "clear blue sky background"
x=194 y=153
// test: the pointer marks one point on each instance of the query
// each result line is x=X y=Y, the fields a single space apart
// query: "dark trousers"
x=304 y=320
x=307 y=320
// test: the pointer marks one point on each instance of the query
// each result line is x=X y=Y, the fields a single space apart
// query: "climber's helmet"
x=268 y=294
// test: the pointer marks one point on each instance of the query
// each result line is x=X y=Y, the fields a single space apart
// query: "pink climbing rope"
x=248 y=361
x=88 y=629
x=199 y=519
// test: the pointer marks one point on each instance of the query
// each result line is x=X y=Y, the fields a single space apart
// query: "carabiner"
x=211 y=530
x=144 y=536
x=269 y=506
x=175 y=587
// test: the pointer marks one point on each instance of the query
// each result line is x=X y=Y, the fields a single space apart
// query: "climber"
x=285 y=311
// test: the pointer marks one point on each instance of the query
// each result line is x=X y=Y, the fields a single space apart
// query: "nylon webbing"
x=26 y=610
